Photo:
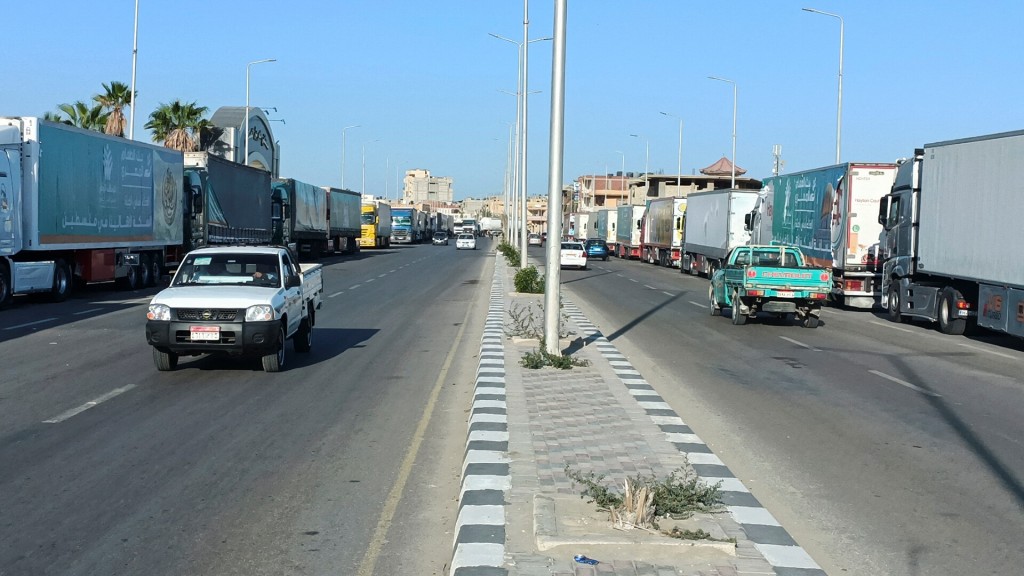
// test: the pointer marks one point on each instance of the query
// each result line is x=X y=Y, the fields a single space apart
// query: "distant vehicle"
x=953 y=235
x=661 y=236
x=716 y=221
x=627 y=231
x=774 y=279
x=535 y=240
x=440 y=238
x=573 y=254
x=465 y=241
x=376 y=225
x=597 y=248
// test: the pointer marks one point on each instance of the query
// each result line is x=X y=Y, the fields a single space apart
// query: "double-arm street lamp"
x=246 y=136
x=679 y=159
x=839 y=112
x=733 y=184
x=343 y=152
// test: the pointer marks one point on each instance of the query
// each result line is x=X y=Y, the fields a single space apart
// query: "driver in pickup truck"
x=264 y=274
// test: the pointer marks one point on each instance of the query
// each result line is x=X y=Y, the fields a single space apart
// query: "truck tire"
x=893 y=299
x=6 y=288
x=131 y=280
x=62 y=281
x=274 y=361
x=145 y=272
x=716 y=309
x=165 y=361
x=303 y=339
x=738 y=318
x=663 y=259
x=948 y=323
x=156 y=271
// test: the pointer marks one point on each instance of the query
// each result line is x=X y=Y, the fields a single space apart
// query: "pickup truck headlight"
x=259 y=313
x=159 y=312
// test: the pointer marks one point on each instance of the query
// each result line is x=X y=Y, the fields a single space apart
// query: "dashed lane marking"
x=905 y=383
x=89 y=311
x=93 y=403
x=354 y=287
x=890 y=325
x=800 y=344
x=43 y=321
x=698 y=304
x=993 y=352
x=338 y=293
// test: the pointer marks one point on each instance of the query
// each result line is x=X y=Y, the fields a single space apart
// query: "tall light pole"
x=647 y=160
x=622 y=176
x=247 y=66
x=362 y=186
x=733 y=184
x=343 y=152
x=679 y=160
x=131 y=96
x=552 y=299
x=839 y=112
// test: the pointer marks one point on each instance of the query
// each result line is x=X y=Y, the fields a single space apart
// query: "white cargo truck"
x=715 y=224
x=953 y=235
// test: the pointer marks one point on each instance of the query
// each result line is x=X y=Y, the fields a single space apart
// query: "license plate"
x=205 y=333
x=784 y=294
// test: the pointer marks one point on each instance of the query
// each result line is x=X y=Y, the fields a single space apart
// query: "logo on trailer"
x=168 y=197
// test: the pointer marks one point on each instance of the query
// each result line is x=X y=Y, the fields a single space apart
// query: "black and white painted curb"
x=486 y=480
x=769 y=537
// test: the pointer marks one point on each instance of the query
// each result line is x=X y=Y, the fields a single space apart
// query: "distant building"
x=419 y=186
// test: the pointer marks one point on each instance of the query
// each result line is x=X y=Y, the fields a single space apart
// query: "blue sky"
x=424 y=80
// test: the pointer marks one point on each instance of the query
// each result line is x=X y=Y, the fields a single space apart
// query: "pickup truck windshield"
x=229 y=268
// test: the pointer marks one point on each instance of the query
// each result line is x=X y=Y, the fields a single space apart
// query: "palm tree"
x=81 y=115
x=177 y=125
x=55 y=117
x=114 y=98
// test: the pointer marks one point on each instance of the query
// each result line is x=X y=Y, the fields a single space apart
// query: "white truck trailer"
x=715 y=224
x=953 y=235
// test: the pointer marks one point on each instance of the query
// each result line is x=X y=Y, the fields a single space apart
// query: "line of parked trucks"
x=78 y=206
x=930 y=237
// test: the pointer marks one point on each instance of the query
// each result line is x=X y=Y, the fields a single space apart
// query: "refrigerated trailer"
x=78 y=205
x=953 y=235
x=715 y=224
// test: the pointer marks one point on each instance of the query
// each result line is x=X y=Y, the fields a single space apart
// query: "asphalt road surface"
x=348 y=462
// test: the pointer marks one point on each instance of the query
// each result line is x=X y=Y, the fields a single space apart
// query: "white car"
x=534 y=240
x=573 y=254
x=467 y=241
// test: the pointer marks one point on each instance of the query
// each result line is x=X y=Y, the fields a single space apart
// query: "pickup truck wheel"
x=716 y=310
x=274 y=361
x=304 y=337
x=165 y=361
x=810 y=321
x=948 y=322
x=738 y=318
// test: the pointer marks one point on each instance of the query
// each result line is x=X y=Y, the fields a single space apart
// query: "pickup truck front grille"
x=206 y=315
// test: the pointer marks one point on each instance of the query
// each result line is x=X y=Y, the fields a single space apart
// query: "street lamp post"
x=131 y=96
x=246 y=136
x=839 y=111
x=343 y=152
x=647 y=159
x=362 y=185
x=679 y=159
x=733 y=184
x=622 y=177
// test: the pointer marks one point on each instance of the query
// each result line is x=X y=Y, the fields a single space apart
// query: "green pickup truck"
x=772 y=279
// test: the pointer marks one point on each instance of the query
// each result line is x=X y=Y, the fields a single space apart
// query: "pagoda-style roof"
x=721 y=168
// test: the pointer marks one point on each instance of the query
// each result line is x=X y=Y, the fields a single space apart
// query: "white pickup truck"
x=244 y=300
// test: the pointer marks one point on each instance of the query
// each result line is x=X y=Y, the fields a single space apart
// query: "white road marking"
x=634 y=280
x=801 y=344
x=65 y=415
x=392 y=272
x=890 y=325
x=382 y=275
x=370 y=280
x=90 y=310
x=976 y=349
x=667 y=293
x=43 y=321
x=905 y=383
x=338 y=293
x=698 y=304
x=649 y=287
x=620 y=275
x=354 y=287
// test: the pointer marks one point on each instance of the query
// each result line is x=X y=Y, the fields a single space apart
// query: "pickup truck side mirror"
x=293 y=281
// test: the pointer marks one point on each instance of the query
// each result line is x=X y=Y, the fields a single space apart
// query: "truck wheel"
x=131 y=280
x=894 y=306
x=145 y=278
x=62 y=281
x=716 y=310
x=948 y=322
x=156 y=272
x=5 y=286
x=165 y=361
x=274 y=361
x=303 y=339
x=810 y=321
x=738 y=318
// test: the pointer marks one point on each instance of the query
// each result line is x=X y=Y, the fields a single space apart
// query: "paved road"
x=347 y=463
x=883 y=448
